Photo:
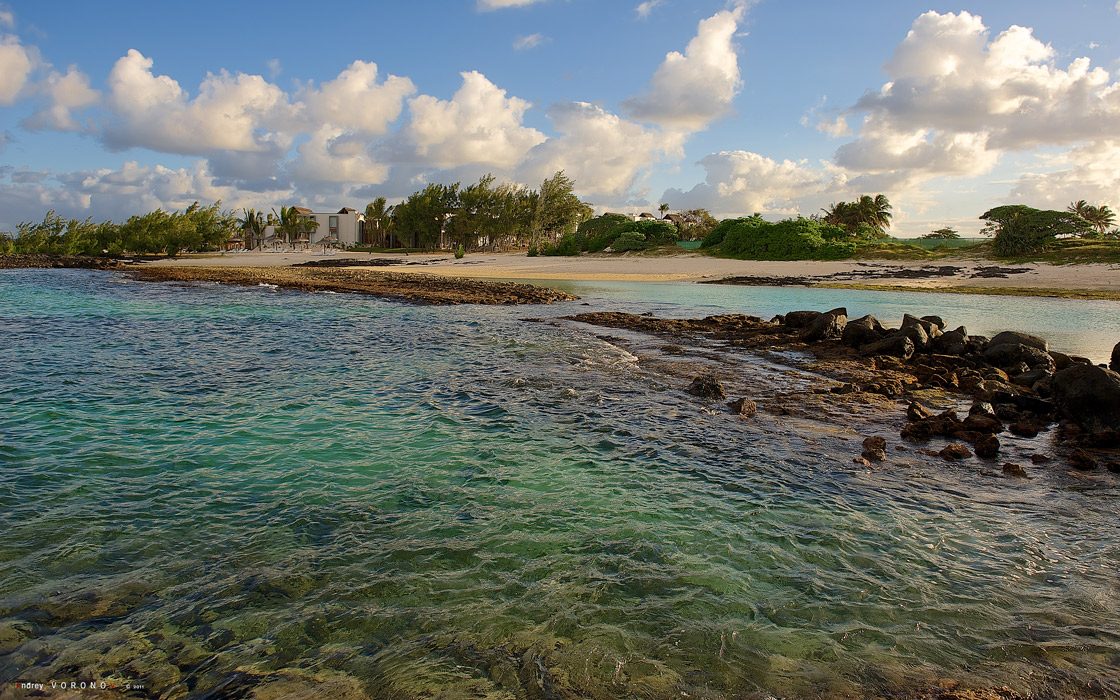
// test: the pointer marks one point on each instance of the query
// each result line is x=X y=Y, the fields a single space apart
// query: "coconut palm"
x=287 y=222
x=252 y=225
x=1100 y=218
x=1080 y=207
x=874 y=212
x=663 y=208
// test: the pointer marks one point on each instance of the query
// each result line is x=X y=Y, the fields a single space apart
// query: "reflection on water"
x=209 y=488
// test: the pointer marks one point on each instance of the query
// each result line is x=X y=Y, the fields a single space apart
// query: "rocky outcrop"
x=1089 y=396
x=1014 y=338
x=893 y=345
x=1114 y=364
x=828 y=326
x=862 y=331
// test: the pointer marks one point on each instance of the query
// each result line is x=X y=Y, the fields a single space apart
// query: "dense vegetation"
x=195 y=228
x=553 y=221
x=754 y=238
x=480 y=215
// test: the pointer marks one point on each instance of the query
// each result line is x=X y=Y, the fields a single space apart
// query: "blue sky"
x=111 y=109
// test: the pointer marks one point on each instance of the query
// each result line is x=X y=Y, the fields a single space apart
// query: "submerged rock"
x=1012 y=469
x=743 y=407
x=1082 y=460
x=706 y=386
x=987 y=447
x=955 y=450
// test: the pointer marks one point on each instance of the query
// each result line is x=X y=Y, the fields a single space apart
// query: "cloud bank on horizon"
x=967 y=112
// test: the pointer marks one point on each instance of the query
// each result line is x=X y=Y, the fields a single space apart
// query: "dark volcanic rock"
x=706 y=386
x=917 y=334
x=1013 y=354
x=893 y=345
x=1114 y=365
x=862 y=331
x=743 y=407
x=1082 y=460
x=916 y=411
x=1023 y=429
x=1012 y=469
x=800 y=319
x=1089 y=396
x=1013 y=338
x=827 y=326
x=955 y=450
x=987 y=447
x=953 y=342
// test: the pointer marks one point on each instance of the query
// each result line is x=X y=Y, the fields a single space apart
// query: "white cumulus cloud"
x=479 y=124
x=692 y=89
x=603 y=153
x=957 y=99
x=739 y=183
x=356 y=100
x=230 y=112
x=16 y=64
x=61 y=96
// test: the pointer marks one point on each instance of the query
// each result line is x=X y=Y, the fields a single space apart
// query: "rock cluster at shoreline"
x=87 y=262
x=1017 y=386
x=408 y=287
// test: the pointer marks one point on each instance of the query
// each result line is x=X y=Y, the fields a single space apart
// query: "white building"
x=344 y=228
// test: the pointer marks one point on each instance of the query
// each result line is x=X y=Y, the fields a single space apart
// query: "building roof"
x=302 y=210
x=347 y=210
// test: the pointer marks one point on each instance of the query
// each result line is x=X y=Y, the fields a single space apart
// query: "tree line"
x=479 y=215
x=195 y=228
x=551 y=220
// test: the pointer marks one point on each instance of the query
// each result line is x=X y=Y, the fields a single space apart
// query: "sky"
x=780 y=107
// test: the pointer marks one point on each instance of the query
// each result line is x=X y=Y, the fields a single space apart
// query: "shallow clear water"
x=202 y=485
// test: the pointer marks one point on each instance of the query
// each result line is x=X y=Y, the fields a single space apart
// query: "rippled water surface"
x=206 y=489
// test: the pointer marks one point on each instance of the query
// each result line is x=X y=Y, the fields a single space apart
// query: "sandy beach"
x=947 y=274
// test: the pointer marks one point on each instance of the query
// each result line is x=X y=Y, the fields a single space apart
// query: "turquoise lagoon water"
x=207 y=489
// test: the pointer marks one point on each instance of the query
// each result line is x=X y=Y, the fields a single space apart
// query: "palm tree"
x=1099 y=218
x=252 y=225
x=1080 y=207
x=872 y=211
x=287 y=223
x=379 y=216
x=663 y=208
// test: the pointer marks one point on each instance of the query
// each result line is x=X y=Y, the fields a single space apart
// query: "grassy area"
x=887 y=250
x=1073 y=251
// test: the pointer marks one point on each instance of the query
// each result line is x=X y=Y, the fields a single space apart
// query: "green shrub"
x=791 y=239
x=459 y=253
x=629 y=240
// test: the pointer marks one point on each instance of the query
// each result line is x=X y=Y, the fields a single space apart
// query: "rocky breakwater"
x=87 y=262
x=409 y=287
x=1014 y=387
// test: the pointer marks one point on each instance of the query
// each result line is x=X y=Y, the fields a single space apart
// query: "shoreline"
x=1074 y=281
